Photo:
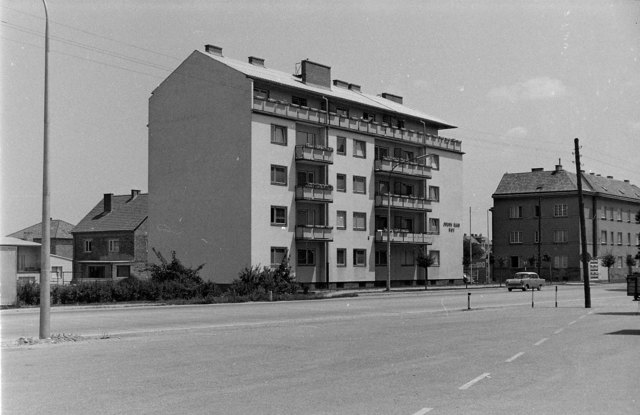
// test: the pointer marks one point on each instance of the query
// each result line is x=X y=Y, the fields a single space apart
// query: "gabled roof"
x=11 y=241
x=59 y=230
x=540 y=181
x=127 y=213
x=290 y=80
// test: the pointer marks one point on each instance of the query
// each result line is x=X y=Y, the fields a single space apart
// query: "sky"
x=519 y=78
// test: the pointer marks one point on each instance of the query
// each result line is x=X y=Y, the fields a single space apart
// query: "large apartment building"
x=248 y=165
x=538 y=212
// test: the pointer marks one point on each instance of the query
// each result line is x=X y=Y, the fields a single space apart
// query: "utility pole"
x=583 y=234
x=45 y=257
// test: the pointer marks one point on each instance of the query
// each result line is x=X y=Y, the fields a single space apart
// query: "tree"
x=477 y=252
x=631 y=262
x=425 y=261
x=607 y=261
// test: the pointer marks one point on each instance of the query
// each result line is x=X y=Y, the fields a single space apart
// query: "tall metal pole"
x=583 y=234
x=470 y=249
x=45 y=260
x=539 y=233
x=389 y=231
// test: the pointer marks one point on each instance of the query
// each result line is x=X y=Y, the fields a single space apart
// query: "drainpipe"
x=426 y=195
x=326 y=176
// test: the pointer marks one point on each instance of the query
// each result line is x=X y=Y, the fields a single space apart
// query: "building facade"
x=536 y=214
x=249 y=165
x=61 y=240
x=110 y=242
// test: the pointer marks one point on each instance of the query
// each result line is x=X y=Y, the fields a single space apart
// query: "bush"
x=255 y=282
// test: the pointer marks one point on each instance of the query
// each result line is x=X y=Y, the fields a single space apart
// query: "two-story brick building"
x=537 y=212
x=110 y=242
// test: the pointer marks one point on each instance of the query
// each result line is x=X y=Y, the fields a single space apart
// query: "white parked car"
x=524 y=281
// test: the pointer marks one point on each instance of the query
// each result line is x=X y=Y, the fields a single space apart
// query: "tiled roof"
x=126 y=215
x=287 y=79
x=59 y=230
x=564 y=181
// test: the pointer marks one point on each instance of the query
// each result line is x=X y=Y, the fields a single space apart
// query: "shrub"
x=256 y=282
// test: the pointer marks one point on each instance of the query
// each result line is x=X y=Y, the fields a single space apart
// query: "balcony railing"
x=404 y=237
x=315 y=192
x=403 y=202
x=388 y=165
x=314 y=153
x=314 y=232
x=297 y=112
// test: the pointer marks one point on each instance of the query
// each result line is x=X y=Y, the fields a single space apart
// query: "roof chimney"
x=256 y=61
x=391 y=97
x=134 y=194
x=214 y=50
x=341 y=84
x=354 y=87
x=627 y=181
x=609 y=177
x=537 y=169
x=107 y=202
x=316 y=74
x=558 y=167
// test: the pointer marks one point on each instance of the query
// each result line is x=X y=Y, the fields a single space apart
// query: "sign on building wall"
x=596 y=270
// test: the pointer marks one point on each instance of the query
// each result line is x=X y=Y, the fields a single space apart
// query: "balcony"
x=314 y=232
x=313 y=115
x=403 y=236
x=403 y=202
x=318 y=154
x=315 y=192
x=398 y=166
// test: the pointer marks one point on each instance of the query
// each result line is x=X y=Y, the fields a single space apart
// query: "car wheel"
x=510 y=289
x=525 y=288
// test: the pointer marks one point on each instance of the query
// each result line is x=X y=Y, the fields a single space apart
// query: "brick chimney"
x=134 y=193
x=107 y=202
x=391 y=97
x=256 y=61
x=214 y=50
x=316 y=74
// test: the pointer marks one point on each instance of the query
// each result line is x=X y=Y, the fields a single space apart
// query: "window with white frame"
x=341 y=219
x=618 y=215
x=88 y=245
x=435 y=255
x=603 y=212
x=603 y=237
x=619 y=238
x=279 y=134
x=278 y=175
x=306 y=257
x=341 y=257
x=359 y=149
x=515 y=212
x=435 y=162
x=359 y=257
x=114 y=245
x=279 y=215
x=560 y=210
x=560 y=236
x=359 y=221
x=434 y=226
x=515 y=237
x=341 y=182
x=359 y=184
x=278 y=254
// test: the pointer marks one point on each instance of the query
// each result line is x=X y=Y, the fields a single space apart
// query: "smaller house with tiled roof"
x=110 y=242
x=536 y=223
x=61 y=239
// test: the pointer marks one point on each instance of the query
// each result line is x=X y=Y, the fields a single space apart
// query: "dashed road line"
x=582 y=316
x=558 y=331
x=423 y=411
x=573 y=322
x=474 y=381
x=514 y=357
x=539 y=342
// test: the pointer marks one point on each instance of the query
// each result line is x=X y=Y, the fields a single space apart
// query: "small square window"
x=278 y=254
x=279 y=175
x=359 y=257
x=279 y=215
x=434 y=193
x=359 y=149
x=279 y=135
x=359 y=184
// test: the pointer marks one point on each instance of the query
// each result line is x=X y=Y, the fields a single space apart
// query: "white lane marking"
x=582 y=316
x=539 y=342
x=558 y=331
x=423 y=411
x=514 y=357
x=573 y=322
x=474 y=381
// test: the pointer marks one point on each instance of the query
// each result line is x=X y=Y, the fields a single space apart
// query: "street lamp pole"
x=393 y=167
x=45 y=259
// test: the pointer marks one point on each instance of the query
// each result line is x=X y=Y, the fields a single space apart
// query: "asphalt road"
x=401 y=353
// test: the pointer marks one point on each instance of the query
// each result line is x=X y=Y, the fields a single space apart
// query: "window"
x=408 y=258
x=629 y=238
x=434 y=226
x=435 y=162
x=341 y=182
x=278 y=175
x=306 y=257
x=123 y=271
x=278 y=215
x=342 y=146
x=560 y=236
x=603 y=237
x=359 y=184
x=610 y=215
x=603 y=212
x=114 y=245
x=515 y=212
x=561 y=261
x=381 y=152
x=515 y=262
x=88 y=245
x=619 y=262
x=359 y=221
x=342 y=111
x=359 y=257
x=434 y=193
x=260 y=93
x=536 y=211
x=278 y=254
x=619 y=238
x=381 y=257
x=515 y=237
x=341 y=257
x=97 y=271
x=279 y=134
x=367 y=116
x=306 y=137
x=383 y=187
x=436 y=258
x=612 y=240
x=341 y=219
x=299 y=101
x=359 y=149
x=560 y=210
x=618 y=214
x=305 y=177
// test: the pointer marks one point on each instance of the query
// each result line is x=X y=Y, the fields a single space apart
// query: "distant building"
x=548 y=200
x=61 y=238
x=110 y=242
x=249 y=165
